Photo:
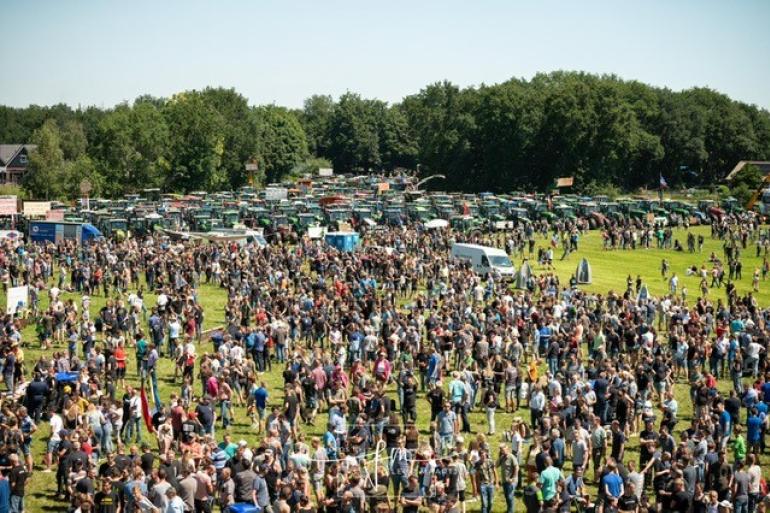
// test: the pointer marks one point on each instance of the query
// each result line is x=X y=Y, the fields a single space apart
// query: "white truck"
x=484 y=259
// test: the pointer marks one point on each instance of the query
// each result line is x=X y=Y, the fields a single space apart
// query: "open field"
x=610 y=269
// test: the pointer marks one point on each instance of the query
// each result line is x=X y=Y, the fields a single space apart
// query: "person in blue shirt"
x=754 y=431
x=545 y=332
x=612 y=482
x=434 y=367
x=725 y=425
x=260 y=404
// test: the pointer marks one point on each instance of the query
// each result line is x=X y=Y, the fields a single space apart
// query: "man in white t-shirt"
x=174 y=331
x=162 y=301
x=57 y=425
x=752 y=357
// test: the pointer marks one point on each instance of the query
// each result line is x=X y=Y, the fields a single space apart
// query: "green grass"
x=610 y=269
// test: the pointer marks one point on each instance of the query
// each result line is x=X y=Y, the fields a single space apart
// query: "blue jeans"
x=17 y=504
x=509 y=489
x=224 y=412
x=487 y=497
x=107 y=438
x=399 y=483
x=741 y=504
x=553 y=364
x=279 y=353
x=447 y=442
x=134 y=423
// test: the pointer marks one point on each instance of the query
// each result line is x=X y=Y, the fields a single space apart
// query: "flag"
x=663 y=184
x=146 y=410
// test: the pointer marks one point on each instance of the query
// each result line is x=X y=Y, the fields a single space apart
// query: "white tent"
x=436 y=223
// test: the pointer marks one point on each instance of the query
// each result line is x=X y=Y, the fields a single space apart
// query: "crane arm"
x=427 y=179
x=757 y=193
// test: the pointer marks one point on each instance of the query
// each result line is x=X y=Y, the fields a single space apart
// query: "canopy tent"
x=583 y=273
x=522 y=276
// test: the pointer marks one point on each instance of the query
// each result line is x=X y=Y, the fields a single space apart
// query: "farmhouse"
x=14 y=161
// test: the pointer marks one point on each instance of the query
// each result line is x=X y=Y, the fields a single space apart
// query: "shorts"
x=53 y=445
x=25 y=448
x=120 y=372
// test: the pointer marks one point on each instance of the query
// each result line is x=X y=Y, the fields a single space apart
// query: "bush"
x=308 y=167
x=602 y=189
x=13 y=190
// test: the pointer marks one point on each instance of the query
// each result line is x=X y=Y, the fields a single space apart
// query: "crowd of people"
x=388 y=378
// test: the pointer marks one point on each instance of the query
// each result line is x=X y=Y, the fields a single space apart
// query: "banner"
x=17 y=299
x=36 y=208
x=8 y=205
x=54 y=215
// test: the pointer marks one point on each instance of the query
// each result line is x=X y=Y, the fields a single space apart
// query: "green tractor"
x=230 y=218
x=301 y=222
x=117 y=228
x=201 y=223
x=565 y=212
x=464 y=223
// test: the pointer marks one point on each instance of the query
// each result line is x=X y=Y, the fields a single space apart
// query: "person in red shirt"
x=120 y=364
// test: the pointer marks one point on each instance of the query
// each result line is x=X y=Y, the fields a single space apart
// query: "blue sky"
x=104 y=52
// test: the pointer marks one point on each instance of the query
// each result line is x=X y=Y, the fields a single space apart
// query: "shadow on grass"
x=47 y=501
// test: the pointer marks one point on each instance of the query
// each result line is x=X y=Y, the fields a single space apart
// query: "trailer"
x=60 y=231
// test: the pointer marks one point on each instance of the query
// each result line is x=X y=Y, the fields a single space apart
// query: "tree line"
x=519 y=134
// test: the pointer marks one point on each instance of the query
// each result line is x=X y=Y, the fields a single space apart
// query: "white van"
x=484 y=259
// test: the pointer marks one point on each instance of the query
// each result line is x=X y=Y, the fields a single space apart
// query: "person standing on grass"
x=174 y=333
x=549 y=481
x=56 y=427
x=486 y=477
x=17 y=480
x=133 y=427
x=448 y=427
x=509 y=476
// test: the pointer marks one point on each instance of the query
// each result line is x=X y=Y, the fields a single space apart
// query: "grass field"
x=610 y=269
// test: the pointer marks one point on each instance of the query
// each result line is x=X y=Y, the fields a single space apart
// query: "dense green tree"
x=73 y=139
x=281 y=141
x=196 y=144
x=46 y=165
x=442 y=118
x=239 y=131
x=316 y=118
x=519 y=134
x=398 y=146
x=73 y=174
x=354 y=134
x=133 y=142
